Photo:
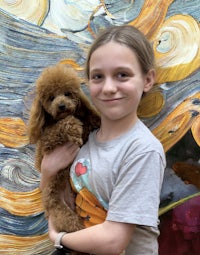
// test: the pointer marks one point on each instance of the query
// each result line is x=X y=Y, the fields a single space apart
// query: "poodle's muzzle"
x=63 y=106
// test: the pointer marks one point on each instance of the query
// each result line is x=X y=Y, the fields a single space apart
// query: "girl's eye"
x=96 y=77
x=122 y=75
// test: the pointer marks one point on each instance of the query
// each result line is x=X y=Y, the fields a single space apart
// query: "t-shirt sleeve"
x=136 y=195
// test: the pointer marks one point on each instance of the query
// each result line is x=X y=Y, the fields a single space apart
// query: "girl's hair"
x=129 y=36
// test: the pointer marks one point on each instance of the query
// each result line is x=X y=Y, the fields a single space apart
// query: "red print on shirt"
x=80 y=169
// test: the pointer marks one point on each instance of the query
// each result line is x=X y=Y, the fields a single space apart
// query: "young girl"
x=121 y=166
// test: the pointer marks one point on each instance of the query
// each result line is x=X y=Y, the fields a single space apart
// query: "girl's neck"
x=113 y=129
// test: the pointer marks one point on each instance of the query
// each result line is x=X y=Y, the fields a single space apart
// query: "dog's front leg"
x=72 y=130
x=68 y=129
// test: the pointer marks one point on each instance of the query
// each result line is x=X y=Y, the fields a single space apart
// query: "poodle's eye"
x=51 y=98
x=67 y=94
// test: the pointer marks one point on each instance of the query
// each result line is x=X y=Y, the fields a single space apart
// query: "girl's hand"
x=58 y=159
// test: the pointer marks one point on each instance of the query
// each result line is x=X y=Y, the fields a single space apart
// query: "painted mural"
x=37 y=33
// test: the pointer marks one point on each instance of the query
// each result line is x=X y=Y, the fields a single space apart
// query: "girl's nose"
x=109 y=86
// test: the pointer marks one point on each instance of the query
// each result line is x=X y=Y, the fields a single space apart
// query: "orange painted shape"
x=177 y=55
x=151 y=17
x=196 y=130
x=72 y=64
x=178 y=122
x=29 y=245
x=13 y=132
x=21 y=203
x=151 y=104
x=189 y=173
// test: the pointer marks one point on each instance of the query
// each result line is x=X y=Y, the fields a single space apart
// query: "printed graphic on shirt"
x=80 y=173
x=88 y=205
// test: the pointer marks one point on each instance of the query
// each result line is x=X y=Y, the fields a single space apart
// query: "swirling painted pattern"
x=177 y=49
x=62 y=31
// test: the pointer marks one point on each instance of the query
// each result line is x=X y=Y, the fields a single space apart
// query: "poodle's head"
x=57 y=96
x=57 y=90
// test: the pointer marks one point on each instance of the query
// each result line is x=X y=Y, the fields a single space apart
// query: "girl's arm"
x=107 y=238
x=59 y=159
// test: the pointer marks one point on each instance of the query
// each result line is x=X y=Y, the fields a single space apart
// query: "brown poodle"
x=60 y=112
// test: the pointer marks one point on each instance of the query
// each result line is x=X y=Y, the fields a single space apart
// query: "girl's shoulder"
x=143 y=140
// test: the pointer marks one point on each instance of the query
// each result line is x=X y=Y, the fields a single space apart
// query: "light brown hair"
x=129 y=36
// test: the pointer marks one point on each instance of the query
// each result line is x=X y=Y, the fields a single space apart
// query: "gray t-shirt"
x=126 y=174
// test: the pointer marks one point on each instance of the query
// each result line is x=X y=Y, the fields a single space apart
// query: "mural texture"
x=35 y=34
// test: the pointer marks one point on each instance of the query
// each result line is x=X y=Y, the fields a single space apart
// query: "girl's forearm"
x=91 y=240
x=106 y=238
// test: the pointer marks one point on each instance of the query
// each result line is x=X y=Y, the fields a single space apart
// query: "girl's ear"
x=149 y=80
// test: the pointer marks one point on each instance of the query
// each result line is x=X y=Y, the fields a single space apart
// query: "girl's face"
x=116 y=81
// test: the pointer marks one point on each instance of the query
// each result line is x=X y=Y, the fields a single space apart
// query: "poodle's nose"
x=61 y=107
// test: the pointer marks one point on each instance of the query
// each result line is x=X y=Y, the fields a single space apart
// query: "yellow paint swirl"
x=151 y=104
x=196 y=130
x=11 y=245
x=33 y=11
x=151 y=16
x=13 y=132
x=21 y=203
x=178 y=122
x=176 y=48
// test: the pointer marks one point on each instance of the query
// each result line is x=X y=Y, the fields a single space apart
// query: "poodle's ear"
x=36 y=121
x=88 y=113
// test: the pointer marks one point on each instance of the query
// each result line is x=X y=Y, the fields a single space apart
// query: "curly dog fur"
x=60 y=112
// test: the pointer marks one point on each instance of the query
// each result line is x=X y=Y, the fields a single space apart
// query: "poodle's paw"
x=73 y=130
